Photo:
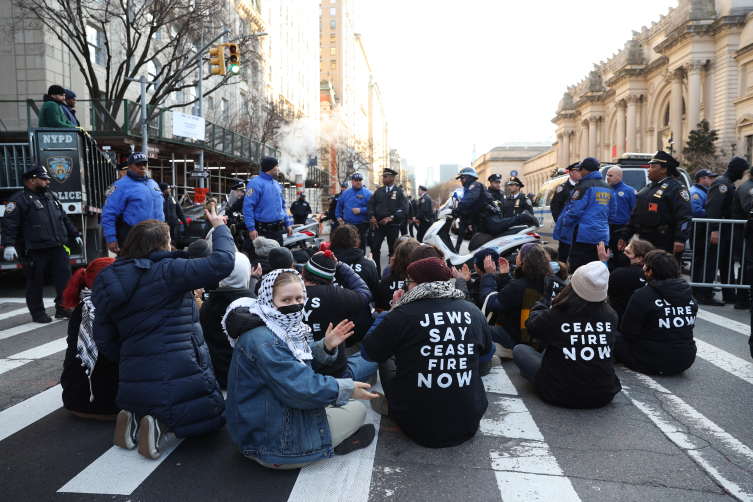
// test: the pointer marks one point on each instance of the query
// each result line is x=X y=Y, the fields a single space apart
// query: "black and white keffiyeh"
x=437 y=289
x=288 y=327
x=86 y=349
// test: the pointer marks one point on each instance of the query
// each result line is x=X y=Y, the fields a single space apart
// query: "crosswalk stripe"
x=23 y=328
x=497 y=382
x=118 y=471
x=23 y=300
x=510 y=420
x=14 y=313
x=723 y=322
x=27 y=356
x=726 y=361
x=27 y=412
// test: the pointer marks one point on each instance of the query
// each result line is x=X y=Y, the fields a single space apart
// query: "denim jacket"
x=275 y=404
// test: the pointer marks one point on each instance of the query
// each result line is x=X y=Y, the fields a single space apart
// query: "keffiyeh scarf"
x=438 y=289
x=86 y=349
x=287 y=327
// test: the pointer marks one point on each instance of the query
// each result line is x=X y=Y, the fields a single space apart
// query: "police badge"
x=723 y=189
x=685 y=195
x=9 y=207
x=559 y=189
x=60 y=168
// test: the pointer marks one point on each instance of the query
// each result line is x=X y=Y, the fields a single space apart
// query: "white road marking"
x=726 y=361
x=498 y=382
x=27 y=412
x=510 y=420
x=23 y=300
x=14 y=313
x=23 y=328
x=516 y=487
x=723 y=322
x=532 y=457
x=27 y=356
x=352 y=472
x=118 y=471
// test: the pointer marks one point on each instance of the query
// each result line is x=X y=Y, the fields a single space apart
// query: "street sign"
x=153 y=151
x=189 y=126
x=513 y=173
x=200 y=174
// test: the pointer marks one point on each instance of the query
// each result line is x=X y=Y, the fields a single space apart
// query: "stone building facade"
x=506 y=158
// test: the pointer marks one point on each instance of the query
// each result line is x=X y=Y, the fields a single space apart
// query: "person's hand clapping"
x=337 y=335
x=504 y=265
x=602 y=251
x=489 y=266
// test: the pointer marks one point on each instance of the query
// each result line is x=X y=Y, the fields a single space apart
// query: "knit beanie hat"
x=55 y=89
x=591 y=281
x=738 y=165
x=322 y=264
x=263 y=246
x=526 y=248
x=199 y=249
x=429 y=270
x=425 y=251
x=280 y=257
x=480 y=256
x=268 y=163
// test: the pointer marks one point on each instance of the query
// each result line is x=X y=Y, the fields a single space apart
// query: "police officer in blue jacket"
x=585 y=222
x=623 y=198
x=352 y=207
x=132 y=199
x=264 y=207
x=698 y=194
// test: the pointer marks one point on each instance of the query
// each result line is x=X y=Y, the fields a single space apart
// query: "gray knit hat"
x=280 y=257
x=591 y=281
x=199 y=249
x=264 y=246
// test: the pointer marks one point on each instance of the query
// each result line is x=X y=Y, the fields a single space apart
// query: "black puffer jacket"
x=210 y=316
x=76 y=391
x=365 y=268
x=659 y=322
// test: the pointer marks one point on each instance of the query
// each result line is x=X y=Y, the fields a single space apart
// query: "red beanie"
x=429 y=270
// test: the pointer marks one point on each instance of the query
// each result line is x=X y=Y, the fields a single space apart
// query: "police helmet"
x=467 y=171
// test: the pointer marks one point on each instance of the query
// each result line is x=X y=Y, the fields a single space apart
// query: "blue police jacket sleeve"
x=113 y=208
x=576 y=208
x=287 y=220
x=159 y=203
x=187 y=275
x=613 y=207
x=469 y=199
x=697 y=202
x=249 y=204
x=340 y=205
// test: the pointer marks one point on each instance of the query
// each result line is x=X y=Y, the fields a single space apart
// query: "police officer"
x=352 y=207
x=414 y=211
x=386 y=209
x=411 y=214
x=35 y=221
x=623 y=199
x=495 y=188
x=235 y=215
x=424 y=214
x=698 y=193
x=130 y=200
x=741 y=210
x=300 y=209
x=589 y=211
x=559 y=202
x=173 y=213
x=517 y=202
x=719 y=206
x=662 y=211
x=264 y=207
x=478 y=207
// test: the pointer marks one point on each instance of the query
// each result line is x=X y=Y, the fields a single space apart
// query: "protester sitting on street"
x=335 y=292
x=280 y=412
x=559 y=268
x=280 y=257
x=438 y=340
x=516 y=296
x=262 y=248
x=239 y=284
x=346 y=246
x=472 y=288
x=656 y=332
x=577 y=368
x=90 y=382
x=147 y=320
x=398 y=273
x=624 y=281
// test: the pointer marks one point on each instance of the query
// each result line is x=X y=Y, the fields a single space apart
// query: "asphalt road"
x=685 y=437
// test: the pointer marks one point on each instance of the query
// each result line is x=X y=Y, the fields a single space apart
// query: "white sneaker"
x=126 y=430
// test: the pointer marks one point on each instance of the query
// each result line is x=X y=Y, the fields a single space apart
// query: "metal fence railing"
x=15 y=159
x=723 y=264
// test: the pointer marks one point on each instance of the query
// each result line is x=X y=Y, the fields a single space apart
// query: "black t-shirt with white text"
x=387 y=287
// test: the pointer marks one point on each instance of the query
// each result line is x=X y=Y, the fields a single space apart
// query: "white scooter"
x=506 y=244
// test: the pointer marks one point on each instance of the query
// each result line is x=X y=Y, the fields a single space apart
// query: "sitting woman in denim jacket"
x=280 y=412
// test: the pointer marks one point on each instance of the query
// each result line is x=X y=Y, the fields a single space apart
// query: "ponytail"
x=83 y=278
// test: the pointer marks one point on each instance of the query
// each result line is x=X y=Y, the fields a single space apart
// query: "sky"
x=486 y=72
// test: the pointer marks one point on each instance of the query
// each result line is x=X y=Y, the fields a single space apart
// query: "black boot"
x=526 y=218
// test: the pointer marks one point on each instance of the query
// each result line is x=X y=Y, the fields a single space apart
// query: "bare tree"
x=348 y=156
x=263 y=120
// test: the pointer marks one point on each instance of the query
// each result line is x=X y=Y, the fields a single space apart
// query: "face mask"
x=291 y=309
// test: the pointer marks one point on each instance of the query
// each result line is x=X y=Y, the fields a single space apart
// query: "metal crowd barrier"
x=731 y=230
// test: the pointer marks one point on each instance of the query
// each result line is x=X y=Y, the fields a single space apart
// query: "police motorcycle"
x=506 y=244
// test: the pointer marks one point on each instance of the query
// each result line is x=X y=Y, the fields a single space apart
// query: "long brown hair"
x=145 y=238
x=536 y=265
x=402 y=258
x=345 y=237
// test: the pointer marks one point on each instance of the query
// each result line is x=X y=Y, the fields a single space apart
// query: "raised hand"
x=489 y=266
x=504 y=265
x=602 y=251
x=337 y=335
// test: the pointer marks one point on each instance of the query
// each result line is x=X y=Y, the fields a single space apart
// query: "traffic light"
x=217 y=61
x=234 y=61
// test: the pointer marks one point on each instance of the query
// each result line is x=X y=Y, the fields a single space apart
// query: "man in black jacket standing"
x=300 y=209
x=36 y=218
x=719 y=206
x=495 y=188
x=741 y=208
x=414 y=211
x=517 y=202
x=559 y=202
x=386 y=209
x=174 y=215
x=424 y=214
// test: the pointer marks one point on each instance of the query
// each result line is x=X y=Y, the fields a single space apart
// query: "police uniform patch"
x=528 y=201
x=696 y=196
x=110 y=190
x=723 y=189
x=9 y=207
x=685 y=195
x=576 y=194
x=559 y=189
x=157 y=188
x=659 y=193
x=249 y=191
x=750 y=191
x=621 y=194
x=635 y=192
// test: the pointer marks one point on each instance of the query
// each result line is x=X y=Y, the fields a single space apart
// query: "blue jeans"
x=528 y=361
x=360 y=368
x=500 y=336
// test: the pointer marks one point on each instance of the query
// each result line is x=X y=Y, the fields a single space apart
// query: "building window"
x=333 y=51
x=225 y=110
x=333 y=64
x=333 y=39
x=749 y=148
x=320 y=12
x=96 y=40
x=333 y=25
x=332 y=11
x=153 y=69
